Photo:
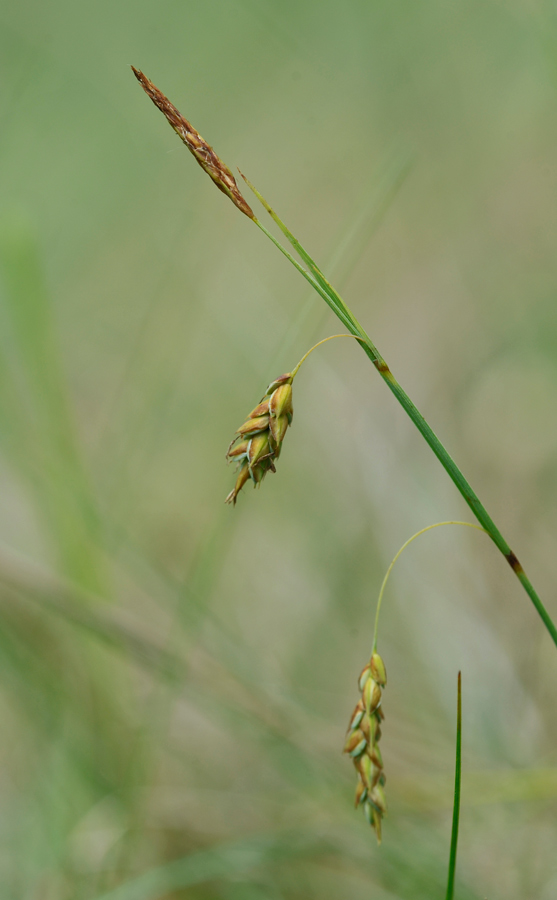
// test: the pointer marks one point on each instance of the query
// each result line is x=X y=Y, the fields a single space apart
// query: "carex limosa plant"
x=308 y=268
x=258 y=443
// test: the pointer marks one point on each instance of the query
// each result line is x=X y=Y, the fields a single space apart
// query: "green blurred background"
x=176 y=675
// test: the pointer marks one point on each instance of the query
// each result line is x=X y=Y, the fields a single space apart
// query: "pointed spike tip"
x=200 y=149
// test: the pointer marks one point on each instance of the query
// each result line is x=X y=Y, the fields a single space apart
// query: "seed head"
x=362 y=743
x=204 y=154
x=258 y=441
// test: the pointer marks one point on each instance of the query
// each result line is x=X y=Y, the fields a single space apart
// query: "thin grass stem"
x=456 y=803
x=393 y=561
x=331 y=337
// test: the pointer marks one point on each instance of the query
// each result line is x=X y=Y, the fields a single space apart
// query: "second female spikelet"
x=362 y=743
x=258 y=441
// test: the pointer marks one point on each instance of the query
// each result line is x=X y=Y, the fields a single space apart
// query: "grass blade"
x=217 y=863
x=48 y=449
x=456 y=804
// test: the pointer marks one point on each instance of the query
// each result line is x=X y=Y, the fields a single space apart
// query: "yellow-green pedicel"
x=258 y=441
x=362 y=743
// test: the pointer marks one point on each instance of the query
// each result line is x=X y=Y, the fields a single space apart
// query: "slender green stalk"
x=393 y=561
x=331 y=337
x=456 y=803
x=318 y=281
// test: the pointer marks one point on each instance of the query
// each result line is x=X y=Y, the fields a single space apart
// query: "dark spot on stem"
x=514 y=563
x=381 y=366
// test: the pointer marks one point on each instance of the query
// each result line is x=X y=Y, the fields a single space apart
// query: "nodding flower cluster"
x=362 y=743
x=258 y=441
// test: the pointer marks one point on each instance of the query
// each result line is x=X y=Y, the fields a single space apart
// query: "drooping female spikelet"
x=362 y=743
x=258 y=441
x=204 y=154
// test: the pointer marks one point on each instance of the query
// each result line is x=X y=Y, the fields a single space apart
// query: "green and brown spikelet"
x=204 y=154
x=362 y=743
x=258 y=441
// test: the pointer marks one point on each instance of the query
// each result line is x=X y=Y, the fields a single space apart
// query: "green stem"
x=456 y=803
x=331 y=337
x=318 y=281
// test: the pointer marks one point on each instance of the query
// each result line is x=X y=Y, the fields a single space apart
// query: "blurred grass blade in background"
x=39 y=431
x=226 y=862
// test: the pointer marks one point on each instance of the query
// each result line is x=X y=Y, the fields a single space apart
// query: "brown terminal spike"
x=204 y=154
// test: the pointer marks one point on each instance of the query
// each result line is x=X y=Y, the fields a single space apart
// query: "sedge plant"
x=308 y=269
x=257 y=445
